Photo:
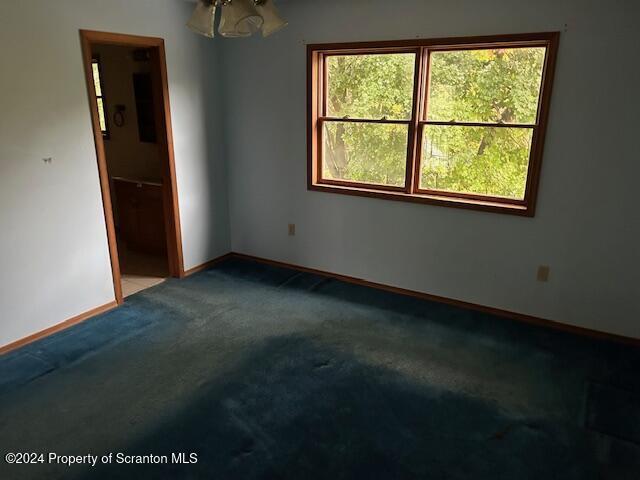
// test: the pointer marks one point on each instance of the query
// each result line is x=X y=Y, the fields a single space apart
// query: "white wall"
x=54 y=261
x=587 y=224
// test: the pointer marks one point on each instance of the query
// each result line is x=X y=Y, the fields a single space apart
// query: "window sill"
x=454 y=202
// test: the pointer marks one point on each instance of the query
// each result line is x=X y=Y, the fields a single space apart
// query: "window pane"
x=101 y=115
x=480 y=160
x=96 y=78
x=370 y=86
x=490 y=85
x=365 y=152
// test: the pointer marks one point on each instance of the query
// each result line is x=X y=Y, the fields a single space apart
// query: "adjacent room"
x=285 y=239
x=122 y=78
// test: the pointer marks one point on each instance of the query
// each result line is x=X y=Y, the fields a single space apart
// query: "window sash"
x=411 y=123
x=418 y=121
x=465 y=195
x=347 y=183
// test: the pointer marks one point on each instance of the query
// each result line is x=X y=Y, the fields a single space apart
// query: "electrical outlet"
x=543 y=273
x=292 y=229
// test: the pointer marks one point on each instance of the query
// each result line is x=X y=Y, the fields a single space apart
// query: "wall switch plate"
x=543 y=273
x=292 y=229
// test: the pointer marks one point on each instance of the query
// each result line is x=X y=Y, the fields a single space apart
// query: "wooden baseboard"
x=91 y=313
x=541 y=322
x=587 y=332
x=206 y=265
x=58 y=327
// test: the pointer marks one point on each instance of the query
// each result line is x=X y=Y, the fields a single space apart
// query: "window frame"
x=106 y=133
x=317 y=87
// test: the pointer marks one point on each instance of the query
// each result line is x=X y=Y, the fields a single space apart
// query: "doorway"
x=128 y=94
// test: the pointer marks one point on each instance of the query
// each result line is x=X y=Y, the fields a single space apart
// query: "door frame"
x=88 y=38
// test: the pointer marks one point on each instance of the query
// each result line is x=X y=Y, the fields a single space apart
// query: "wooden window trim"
x=410 y=192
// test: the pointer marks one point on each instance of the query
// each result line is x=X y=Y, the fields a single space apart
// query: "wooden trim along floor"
x=92 y=313
x=541 y=322
x=207 y=265
x=58 y=327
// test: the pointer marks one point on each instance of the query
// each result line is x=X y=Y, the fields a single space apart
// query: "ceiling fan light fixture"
x=239 y=18
x=272 y=21
x=203 y=18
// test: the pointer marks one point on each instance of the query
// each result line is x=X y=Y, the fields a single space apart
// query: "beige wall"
x=127 y=156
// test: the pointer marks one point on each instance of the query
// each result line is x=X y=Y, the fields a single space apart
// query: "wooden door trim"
x=89 y=38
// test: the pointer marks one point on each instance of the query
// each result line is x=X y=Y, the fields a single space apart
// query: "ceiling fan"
x=238 y=18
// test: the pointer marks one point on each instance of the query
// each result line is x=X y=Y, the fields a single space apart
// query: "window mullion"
x=479 y=124
x=421 y=91
x=414 y=126
x=365 y=120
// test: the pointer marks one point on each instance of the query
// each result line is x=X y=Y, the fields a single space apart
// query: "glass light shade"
x=202 y=20
x=272 y=20
x=239 y=19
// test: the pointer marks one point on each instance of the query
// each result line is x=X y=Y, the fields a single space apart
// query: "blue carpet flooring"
x=269 y=373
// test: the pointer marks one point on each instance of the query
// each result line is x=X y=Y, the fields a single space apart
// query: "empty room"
x=293 y=239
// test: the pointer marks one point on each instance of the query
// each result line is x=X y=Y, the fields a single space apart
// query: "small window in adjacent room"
x=99 y=88
x=457 y=122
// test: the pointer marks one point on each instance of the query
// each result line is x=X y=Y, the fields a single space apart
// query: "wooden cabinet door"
x=141 y=215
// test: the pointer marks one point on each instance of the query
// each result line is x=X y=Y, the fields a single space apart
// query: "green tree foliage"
x=489 y=86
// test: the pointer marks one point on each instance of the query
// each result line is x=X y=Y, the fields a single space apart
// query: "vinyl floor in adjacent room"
x=140 y=270
x=269 y=373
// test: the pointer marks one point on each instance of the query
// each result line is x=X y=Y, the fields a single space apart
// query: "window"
x=457 y=122
x=99 y=88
